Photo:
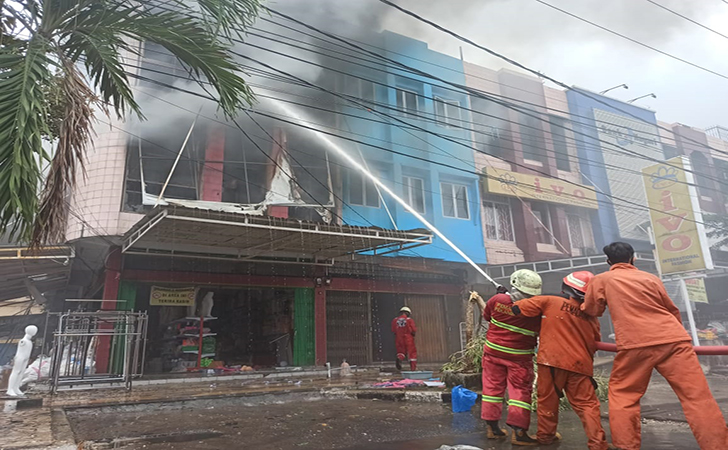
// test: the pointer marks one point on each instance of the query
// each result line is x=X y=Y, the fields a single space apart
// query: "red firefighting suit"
x=508 y=362
x=404 y=330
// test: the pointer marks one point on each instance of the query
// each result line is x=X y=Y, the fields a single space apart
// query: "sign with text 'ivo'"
x=536 y=187
x=680 y=238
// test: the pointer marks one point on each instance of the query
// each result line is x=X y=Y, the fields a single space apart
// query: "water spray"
x=340 y=151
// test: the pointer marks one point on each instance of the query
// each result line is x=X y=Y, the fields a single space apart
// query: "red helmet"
x=579 y=280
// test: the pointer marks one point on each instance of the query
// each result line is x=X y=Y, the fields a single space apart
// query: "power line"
x=634 y=41
x=687 y=18
x=535 y=72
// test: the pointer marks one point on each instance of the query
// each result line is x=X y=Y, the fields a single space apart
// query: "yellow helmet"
x=526 y=281
x=405 y=309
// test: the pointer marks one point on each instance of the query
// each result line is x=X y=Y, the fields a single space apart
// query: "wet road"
x=306 y=421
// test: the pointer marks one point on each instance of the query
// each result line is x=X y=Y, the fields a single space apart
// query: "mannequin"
x=207 y=304
x=20 y=363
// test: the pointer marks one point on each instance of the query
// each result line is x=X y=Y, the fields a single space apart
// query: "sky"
x=581 y=55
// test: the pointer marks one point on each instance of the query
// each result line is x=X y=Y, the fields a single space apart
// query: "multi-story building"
x=294 y=243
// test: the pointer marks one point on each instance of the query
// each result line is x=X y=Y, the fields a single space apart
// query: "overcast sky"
x=582 y=55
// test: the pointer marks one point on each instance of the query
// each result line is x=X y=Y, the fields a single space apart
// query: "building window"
x=455 y=200
x=532 y=136
x=362 y=191
x=498 y=221
x=544 y=230
x=558 y=136
x=407 y=102
x=447 y=112
x=359 y=88
x=699 y=164
x=576 y=232
x=414 y=193
x=490 y=127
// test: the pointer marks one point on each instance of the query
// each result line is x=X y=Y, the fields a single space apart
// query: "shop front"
x=232 y=292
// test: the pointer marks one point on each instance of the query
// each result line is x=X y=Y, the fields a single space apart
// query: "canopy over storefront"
x=194 y=232
x=25 y=272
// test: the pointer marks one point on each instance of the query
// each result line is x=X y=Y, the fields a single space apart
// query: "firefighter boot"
x=413 y=365
x=495 y=431
x=521 y=437
x=398 y=363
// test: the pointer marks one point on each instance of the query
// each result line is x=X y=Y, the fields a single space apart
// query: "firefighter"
x=404 y=329
x=567 y=342
x=649 y=335
x=508 y=359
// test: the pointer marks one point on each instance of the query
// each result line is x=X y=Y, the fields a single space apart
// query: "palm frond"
x=73 y=137
x=22 y=113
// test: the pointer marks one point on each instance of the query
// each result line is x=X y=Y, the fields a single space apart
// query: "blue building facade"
x=434 y=174
x=611 y=135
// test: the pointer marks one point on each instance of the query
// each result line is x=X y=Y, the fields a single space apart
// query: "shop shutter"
x=428 y=312
x=347 y=327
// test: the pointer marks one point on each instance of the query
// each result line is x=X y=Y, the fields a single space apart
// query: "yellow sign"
x=696 y=290
x=162 y=296
x=536 y=187
x=677 y=235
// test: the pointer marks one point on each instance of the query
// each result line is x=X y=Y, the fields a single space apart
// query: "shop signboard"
x=680 y=240
x=537 y=187
x=696 y=290
x=164 y=296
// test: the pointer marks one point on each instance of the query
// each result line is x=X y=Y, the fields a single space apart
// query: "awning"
x=23 y=271
x=194 y=232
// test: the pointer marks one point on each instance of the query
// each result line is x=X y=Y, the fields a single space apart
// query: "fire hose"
x=700 y=350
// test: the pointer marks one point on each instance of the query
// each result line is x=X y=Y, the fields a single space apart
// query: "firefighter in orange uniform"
x=567 y=343
x=508 y=359
x=404 y=329
x=650 y=335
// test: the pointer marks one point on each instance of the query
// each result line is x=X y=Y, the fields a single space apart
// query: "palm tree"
x=62 y=60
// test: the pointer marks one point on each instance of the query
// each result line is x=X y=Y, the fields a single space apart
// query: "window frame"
x=409 y=189
x=492 y=204
x=405 y=110
x=364 y=181
x=447 y=121
x=547 y=222
x=581 y=221
x=453 y=194
x=561 y=157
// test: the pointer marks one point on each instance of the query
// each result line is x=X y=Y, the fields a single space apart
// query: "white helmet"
x=405 y=309
x=526 y=281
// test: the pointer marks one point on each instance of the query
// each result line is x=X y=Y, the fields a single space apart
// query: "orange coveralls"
x=650 y=334
x=567 y=343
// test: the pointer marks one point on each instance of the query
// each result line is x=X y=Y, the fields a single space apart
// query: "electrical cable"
x=535 y=72
x=672 y=11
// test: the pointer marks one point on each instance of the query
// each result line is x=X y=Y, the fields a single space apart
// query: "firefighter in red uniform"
x=508 y=359
x=404 y=330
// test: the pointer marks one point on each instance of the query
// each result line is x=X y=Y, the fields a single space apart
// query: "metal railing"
x=116 y=339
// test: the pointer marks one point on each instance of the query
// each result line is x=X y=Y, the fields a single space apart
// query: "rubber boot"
x=413 y=365
x=398 y=363
x=495 y=431
x=521 y=437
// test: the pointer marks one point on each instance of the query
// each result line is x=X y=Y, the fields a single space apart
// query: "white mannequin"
x=22 y=355
x=207 y=304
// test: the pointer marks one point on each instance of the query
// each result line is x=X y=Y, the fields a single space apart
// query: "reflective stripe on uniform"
x=512 y=351
x=512 y=328
x=519 y=404
x=491 y=399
